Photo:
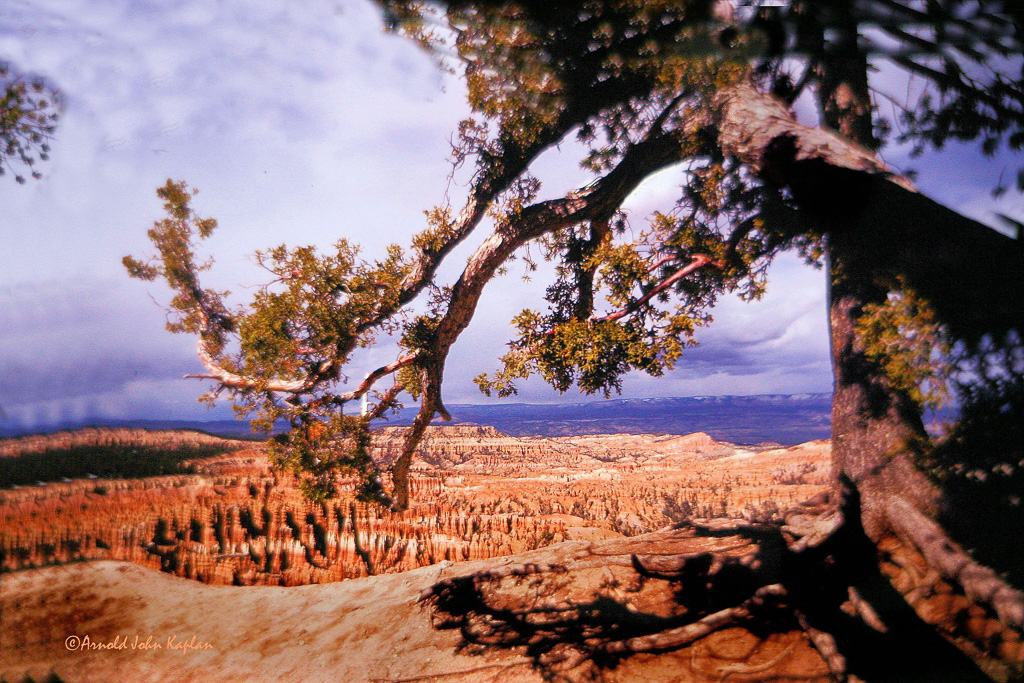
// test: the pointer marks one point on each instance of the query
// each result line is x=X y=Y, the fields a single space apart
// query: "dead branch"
x=382 y=371
x=811 y=530
x=749 y=120
x=233 y=380
x=381 y=407
x=825 y=644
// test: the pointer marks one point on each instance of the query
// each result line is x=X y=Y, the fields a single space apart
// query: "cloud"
x=82 y=343
x=776 y=345
x=296 y=124
x=299 y=124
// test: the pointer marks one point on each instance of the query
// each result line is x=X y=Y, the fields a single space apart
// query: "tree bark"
x=878 y=232
x=872 y=422
x=881 y=234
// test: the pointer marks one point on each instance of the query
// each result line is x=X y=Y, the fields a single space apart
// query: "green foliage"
x=612 y=73
x=29 y=110
x=592 y=355
x=318 y=452
x=114 y=461
x=198 y=311
x=301 y=327
x=315 y=312
x=905 y=340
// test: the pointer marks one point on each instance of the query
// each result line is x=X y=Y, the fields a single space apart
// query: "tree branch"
x=825 y=644
x=389 y=396
x=899 y=233
x=594 y=202
x=981 y=584
x=382 y=371
x=696 y=264
x=231 y=379
x=487 y=186
x=750 y=121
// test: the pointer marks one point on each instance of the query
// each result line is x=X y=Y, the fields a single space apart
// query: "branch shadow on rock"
x=657 y=603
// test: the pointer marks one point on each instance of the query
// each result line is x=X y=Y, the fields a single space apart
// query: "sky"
x=299 y=123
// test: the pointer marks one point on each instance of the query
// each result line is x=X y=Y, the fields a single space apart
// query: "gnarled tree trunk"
x=872 y=579
x=872 y=422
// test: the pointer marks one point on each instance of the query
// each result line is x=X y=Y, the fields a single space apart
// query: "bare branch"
x=942 y=554
x=236 y=381
x=382 y=371
x=204 y=349
x=385 y=402
x=749 y=121
x=825 y=644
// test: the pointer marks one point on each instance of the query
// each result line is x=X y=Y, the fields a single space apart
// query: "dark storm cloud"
x=62 y=340
x=776 y=345
x=79 y=368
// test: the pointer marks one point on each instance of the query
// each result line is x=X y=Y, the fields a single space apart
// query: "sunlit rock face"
x=477 y=494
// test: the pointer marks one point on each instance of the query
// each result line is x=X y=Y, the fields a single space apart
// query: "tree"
x=28 y=117
x=646 y=85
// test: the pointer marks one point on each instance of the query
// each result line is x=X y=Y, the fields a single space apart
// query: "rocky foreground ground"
x=523 y=560
x=616 y=610
x=372 y=629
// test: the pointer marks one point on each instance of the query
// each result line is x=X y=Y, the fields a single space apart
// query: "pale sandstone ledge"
x=372 y=629
x=357 y=630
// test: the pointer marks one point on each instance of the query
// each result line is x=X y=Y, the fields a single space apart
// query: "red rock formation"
x=480 y=494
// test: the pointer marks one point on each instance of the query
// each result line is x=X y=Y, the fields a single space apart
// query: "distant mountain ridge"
x=778 y=418
x=785 y=419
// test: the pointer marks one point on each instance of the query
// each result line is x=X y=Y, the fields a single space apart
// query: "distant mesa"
x=111 y=436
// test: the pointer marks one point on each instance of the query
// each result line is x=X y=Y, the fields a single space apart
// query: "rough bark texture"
x=878 y=231
x=872 y=422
